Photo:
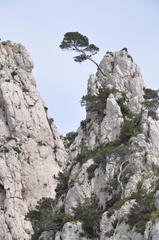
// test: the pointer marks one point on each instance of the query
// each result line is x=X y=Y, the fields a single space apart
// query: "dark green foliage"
x=130 y=128
x=84 y=155
x=143 y=211
x=109 y=204
x=122 y=103
x=100 y=153
x=116 y=206
x=71 y=137
x=73 y=39
x=124 y=49
x=77 y=42
x=105 y=150
x=150 y=93
x=97 y=103
x=44 y=218
x=91 y=169
x=151 y=102
x=62 y=186
x=89 y=214
x=129 y=56
x=4 y=149
x=153 y=115
x=14 y=73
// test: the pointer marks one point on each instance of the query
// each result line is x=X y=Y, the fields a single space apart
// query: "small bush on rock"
x=144 y=210
x=62 y=186
x=130 y=128
x=89 y=214
x=122 y=103
x=97 y=103
x=70 y=137
x=151 y=102
x=45 y=218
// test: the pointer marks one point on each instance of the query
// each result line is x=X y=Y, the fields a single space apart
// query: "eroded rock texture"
x=114 y=159
x=109 y=188
x=31 y=151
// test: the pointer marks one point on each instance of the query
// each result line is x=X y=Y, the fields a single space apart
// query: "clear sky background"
x=110 y=24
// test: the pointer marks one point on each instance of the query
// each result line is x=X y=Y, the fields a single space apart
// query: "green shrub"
x=105 y=150
x=130 y=127
x=89 y=214
x=70 y=137
x=143 y=211
x=116 y=206
x=97 y=103
x=84 y=155
x=91 y=169
x=101 y=152
x=150 y=93
x=62 y=186
x=4 y=149
x=151 y=102
x=153 y=115
x=122 y=103
x=45 y=218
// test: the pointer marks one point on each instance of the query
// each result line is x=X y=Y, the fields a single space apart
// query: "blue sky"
x=110 y=24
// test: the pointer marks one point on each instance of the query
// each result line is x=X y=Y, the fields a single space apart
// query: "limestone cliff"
x=31 y=151
x=106 y=178
x=109 y=189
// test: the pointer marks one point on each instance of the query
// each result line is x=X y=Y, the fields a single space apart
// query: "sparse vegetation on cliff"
x=130 y=127
x=89 y=214
x=151 y=102
x=79 y=43
x=97 y=103
x=45 y=218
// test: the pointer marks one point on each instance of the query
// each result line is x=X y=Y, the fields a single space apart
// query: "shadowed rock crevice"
x=2 y=197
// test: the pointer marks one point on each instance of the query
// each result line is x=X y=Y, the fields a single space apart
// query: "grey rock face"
x=124 y=75
x=28 y=160
x=113 y=178
x=111 y=124
x=118 y=172
x=71 y=231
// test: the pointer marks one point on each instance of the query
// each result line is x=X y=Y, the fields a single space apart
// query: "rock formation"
x=107 y=186
x=31 y=151
x=112 y=184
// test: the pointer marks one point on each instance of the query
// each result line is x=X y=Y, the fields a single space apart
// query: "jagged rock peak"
x=110 y=188
x=31 y=151
x=120 y=72
x=109 y=97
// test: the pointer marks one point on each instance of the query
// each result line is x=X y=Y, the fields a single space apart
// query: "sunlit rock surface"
x=31 y=151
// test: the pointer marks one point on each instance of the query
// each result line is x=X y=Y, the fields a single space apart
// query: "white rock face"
x=122 y=73
x=154 y=133
x=115 y=177
x=81 y=189
x=71 y=231
x=31 y=151
x=111 y=124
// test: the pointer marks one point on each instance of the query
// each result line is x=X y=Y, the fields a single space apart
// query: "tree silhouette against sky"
x=79 y=43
